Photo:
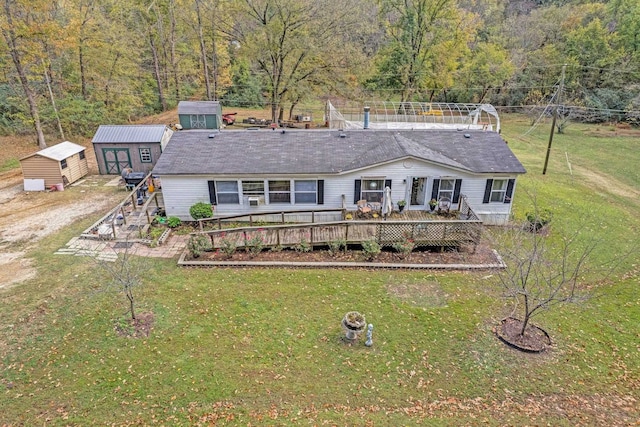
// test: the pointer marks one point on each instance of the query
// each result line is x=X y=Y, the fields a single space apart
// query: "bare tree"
x=544 y=270
x=540 y=272
x=124 y=274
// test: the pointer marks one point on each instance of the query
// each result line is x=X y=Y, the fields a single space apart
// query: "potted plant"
x=432 y=204
x=401 y=205
x=353 y=324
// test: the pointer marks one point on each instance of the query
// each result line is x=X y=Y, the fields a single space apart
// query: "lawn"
x=265 y=346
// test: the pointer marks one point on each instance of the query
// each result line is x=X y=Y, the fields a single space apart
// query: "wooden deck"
x=424 y=228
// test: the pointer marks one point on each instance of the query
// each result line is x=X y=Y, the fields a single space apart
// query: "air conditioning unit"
x=254 y=201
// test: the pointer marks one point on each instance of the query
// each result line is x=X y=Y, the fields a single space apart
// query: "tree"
x=544 y=270
x=487 y=67
x=425 y=43
x=22 y=24
x=125 y=274
x=291 y=43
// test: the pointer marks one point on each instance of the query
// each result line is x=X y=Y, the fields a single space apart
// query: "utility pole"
x=553 y=122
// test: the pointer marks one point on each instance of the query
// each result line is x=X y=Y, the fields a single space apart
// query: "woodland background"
x=71 y=65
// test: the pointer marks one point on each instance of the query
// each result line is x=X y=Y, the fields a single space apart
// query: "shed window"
x=63 y=163
x=198 y=121
x=306 y=191
x=145 y=155
x=279 y=191
x=227 y=192
x=82 y=155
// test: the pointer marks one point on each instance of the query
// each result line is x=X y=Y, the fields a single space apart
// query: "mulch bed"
x=140 y=327
x=482 y=255
x=534 y=339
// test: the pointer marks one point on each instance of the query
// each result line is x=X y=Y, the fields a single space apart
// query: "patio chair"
x=364 y=209
x=444 y=204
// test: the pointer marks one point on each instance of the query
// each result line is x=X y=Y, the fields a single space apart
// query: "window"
x=63 y=163
x=306 y=191
x=372 y=190
x=498 y=190
x=253 y=188
x=198 y=121
x=82 y=155
x=145 y=155
x=279 y=191
x=227 y=192
x=446 y=189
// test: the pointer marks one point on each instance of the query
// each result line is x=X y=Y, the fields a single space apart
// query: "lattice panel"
x=388 y=234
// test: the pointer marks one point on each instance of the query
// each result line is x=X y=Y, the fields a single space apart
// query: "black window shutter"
x=387 y=183
x=435 y=188
x=456 y=191
x=487 y=191
x=321 y=191
x=356 y=191
x=510 y=184
x=212 y=193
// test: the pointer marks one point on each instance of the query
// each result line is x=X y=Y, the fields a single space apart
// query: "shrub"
x=201 y=210
x=255 y=244
x=370 y=249
x=303 y=246
x=404 y=247
x=228 y=246
x=335 y=246
x=538 y=219
x=173 y=222
x=198 y=244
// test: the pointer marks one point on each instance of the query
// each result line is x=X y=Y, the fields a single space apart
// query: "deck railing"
x=433 y=233
x=281 y=215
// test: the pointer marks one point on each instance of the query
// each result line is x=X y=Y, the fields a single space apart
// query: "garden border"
x=368 y=265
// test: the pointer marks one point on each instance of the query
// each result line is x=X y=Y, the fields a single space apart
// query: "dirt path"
x=27 y=217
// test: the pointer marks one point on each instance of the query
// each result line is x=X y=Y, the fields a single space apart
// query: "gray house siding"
x=181 y=192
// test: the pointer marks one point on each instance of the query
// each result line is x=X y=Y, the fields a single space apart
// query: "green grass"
x=265 y=347
x=9 y=164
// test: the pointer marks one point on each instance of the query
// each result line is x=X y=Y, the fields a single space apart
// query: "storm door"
x=418 y=191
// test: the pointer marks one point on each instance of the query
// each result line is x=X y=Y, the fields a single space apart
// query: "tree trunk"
x=174 y=61
x=131 y=304
x=53 y=102
x=83 y=78
x=156 y=72
x=203 y=53
x=10 y=37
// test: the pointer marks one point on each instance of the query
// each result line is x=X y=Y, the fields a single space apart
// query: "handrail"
x=112 y=214
x=282 y=213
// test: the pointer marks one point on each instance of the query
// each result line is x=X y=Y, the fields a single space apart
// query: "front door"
x=418 y=191
x=116 y=159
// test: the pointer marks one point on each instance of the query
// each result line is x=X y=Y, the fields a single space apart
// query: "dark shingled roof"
x=262 y=152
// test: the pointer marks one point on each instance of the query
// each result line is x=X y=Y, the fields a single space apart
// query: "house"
x=129 y=146
x=199 y=114
x=259 y=171
x=58 y=165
